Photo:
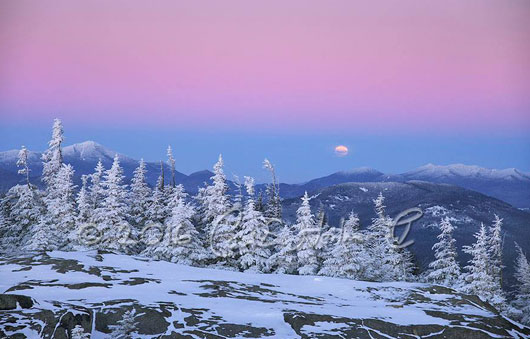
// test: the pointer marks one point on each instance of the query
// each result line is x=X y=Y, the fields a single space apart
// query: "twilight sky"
x=402 y=83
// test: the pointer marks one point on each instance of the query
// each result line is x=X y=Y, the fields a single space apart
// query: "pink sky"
x=316 y=64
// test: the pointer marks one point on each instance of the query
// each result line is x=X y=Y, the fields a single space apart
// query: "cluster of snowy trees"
x=483 y=274
x=243 y=231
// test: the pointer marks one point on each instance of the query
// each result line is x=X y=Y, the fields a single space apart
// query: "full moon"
x=341 y=151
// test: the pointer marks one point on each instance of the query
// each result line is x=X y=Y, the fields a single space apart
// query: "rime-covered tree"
x=79 y=333
x=445 y=270
x=284 y=259
x=97 y=190
x=171 y=163
x=478 y=278
x=21 y=210
x=214 y=200
x=158 y=208
x=180 y=241
x=347 y=257
x=308 y=237
x=22 y=163
x=521 y=302
x=380 y=266
x=83 y=201
x=125 y=327
x=237 y=202
x=273 y=207
x=495 y=250
x=57 y=225
x=252 y=236
x=111 y=217
x=23 y=207
x=140 y=196
x=52 y=158
x=62 y=207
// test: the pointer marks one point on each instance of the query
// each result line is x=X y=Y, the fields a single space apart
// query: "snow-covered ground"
x=202 y=301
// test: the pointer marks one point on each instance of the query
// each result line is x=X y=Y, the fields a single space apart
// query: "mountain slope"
x=53 y=292
x=467 y=210
x=510 y=185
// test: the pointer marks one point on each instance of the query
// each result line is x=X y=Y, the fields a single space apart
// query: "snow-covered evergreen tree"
x=52 y=158
x=83 y=201
x=252 y=235
x=21 y=210
x=79 y=333
x=444 y=270
x=478 y=278
x=308 y=237
x=347 y=257
x=62 y=207
x=140 y=196
x=57 y=225
x=96 y=189
x=158 y=207
x=125 y=327
x=214 y=200
x=380 y=267
x=171 y=163
x=22 y=163
x=180 y=241
x=495 y=250
x=111 y=217
x=273 y=208
x=521 y=302
x=284 y=259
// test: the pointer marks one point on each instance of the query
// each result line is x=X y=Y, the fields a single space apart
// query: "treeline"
x=244 y=231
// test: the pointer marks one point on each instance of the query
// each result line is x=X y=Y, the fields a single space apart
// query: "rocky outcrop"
x=174 y=301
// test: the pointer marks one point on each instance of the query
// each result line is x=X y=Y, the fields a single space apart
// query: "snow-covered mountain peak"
x=90 y=150
x=470 y=171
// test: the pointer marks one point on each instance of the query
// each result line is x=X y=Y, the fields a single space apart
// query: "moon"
x=341 y=151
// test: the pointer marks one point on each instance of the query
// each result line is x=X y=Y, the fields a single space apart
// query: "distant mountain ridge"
x=84 y=157
x=510 y=185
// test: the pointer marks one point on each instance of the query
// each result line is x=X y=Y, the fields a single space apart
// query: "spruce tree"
x=495 y=250
x=273 y=208
x=308 y=236
x=521 y=302
x=380 y=267
x=444 y=270
x=22 y=163
x=62 y=208
x=140 y=196
x=171 y=163
x=125 y=327
x=215 y=204
x=21 y=210
x=347 y=257
x=97 y=189
x=252 y=235
x=180 y=241
x=83 y=201
x=111 y=217
x=479 y=280
x=284 y=259
x=52 y=158
x=157 y=211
